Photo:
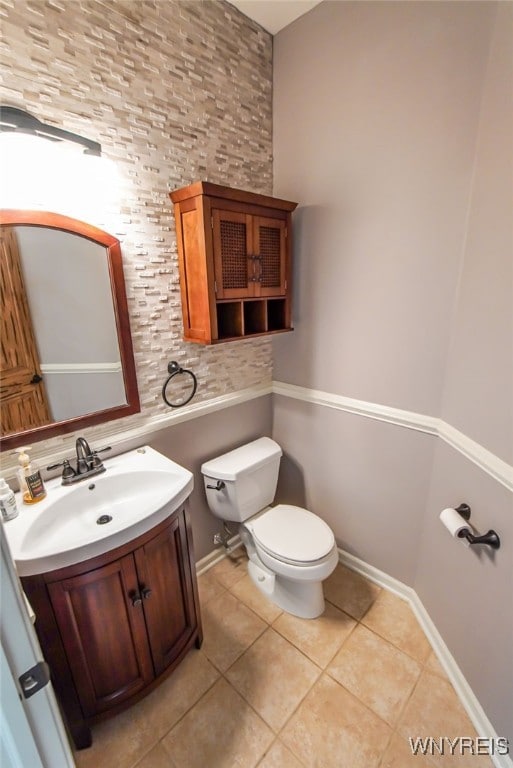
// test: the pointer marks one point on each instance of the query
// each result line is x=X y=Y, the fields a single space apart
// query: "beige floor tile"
x=209 y=587
x=319 y=638
x=280 y=757
x=251 y=596
x=376 y=672
x=156 y=758
x=332 y=729
x=179 y=692
x=232 y=568
x=434 y=710
x=221 y=730
x=229 y=628
x=273 y=677
x=434 y=666
x=124 y=739
x=120 y=741
x=350 y=592
x=400 y=755
x=393 y=619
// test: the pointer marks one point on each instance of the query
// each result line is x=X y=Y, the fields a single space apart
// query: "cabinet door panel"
x=232 y=233
x=169 y=609
x=104 y=634
x=271 y=251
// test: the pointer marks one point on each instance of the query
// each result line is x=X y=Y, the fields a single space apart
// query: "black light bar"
x=18 y=121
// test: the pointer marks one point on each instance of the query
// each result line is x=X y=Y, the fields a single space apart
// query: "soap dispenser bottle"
x=29 y=477
x=8 y=508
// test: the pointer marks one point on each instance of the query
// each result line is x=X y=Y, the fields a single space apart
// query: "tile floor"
x=274 y=691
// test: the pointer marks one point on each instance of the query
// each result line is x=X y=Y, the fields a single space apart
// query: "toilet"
x=290 y=550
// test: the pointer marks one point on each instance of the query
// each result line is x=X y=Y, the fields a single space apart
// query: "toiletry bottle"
x=30 y=480
x=8 y=507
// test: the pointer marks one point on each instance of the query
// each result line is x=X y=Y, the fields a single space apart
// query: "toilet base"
x=304 y=599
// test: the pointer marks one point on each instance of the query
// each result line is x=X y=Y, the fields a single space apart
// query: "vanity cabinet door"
x=165 y=583
x=100 y=617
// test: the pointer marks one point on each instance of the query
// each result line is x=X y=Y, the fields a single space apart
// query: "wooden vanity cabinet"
x=235 y=250
x=112 y=626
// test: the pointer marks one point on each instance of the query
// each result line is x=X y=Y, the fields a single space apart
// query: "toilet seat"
x=292 y=535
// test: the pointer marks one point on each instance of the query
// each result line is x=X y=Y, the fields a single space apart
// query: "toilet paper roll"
x=454 y=522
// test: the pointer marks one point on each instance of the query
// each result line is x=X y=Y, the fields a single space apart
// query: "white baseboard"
x=207 y=562
x=465 y=693
x=467 y=697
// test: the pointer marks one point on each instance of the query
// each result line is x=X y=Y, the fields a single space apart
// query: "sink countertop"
x=138 y=490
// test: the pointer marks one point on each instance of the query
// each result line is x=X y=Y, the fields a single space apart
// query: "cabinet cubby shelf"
x=255 y=317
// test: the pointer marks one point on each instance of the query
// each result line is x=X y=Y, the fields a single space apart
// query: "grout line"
x=322 y=671
x=388 y=584
x=269 y=626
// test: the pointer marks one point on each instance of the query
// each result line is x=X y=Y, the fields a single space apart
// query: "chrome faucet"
x=85 y=457
x=88 y=463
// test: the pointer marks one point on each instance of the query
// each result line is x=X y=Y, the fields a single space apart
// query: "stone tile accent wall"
x=175 y=91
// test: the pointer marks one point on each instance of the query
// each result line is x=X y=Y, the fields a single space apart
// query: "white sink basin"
x=137 y=491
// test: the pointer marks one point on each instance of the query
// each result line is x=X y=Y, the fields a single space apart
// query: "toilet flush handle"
x=218 y=486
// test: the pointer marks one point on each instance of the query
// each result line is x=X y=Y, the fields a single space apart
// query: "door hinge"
x=34 y=679
x=215 y=286
x=212 y=222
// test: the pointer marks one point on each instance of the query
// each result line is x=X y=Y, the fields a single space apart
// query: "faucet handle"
x=67 y=469
x=97 y=462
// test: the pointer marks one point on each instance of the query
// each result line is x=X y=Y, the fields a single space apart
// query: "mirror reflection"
x=66 y=356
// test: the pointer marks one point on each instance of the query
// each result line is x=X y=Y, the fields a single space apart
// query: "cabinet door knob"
x=136 y=598
x=146 y=592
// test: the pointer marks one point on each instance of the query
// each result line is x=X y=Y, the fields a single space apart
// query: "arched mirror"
x=66 y=351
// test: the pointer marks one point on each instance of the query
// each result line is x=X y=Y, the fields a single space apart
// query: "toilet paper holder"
x=491 y=538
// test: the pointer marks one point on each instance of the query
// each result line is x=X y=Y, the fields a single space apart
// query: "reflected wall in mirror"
x=66 y=353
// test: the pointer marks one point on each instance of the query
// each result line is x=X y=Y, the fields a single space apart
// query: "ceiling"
x=273 y=15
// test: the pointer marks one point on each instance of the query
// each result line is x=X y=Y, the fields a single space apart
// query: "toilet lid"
x=293 y=533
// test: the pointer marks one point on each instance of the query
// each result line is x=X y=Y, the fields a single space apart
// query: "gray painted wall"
x=401 y=115
x=478 y=393
x=68 y=289
x=369 y=480
x=468 y=593
x=376 y=109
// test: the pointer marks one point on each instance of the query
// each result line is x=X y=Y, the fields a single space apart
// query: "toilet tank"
x=249 y=475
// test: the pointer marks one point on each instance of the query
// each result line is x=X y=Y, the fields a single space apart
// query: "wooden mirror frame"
x=12 y=217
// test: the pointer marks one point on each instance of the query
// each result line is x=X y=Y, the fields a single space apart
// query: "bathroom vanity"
x=115 y=611
x=112 y=626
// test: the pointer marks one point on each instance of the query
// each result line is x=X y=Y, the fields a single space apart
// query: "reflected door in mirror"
x=23 y=400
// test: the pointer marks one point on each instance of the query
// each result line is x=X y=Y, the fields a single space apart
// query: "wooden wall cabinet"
x=111 y=627
x=235 y=250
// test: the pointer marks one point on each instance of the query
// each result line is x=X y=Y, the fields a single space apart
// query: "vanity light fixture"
x=18 y=121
